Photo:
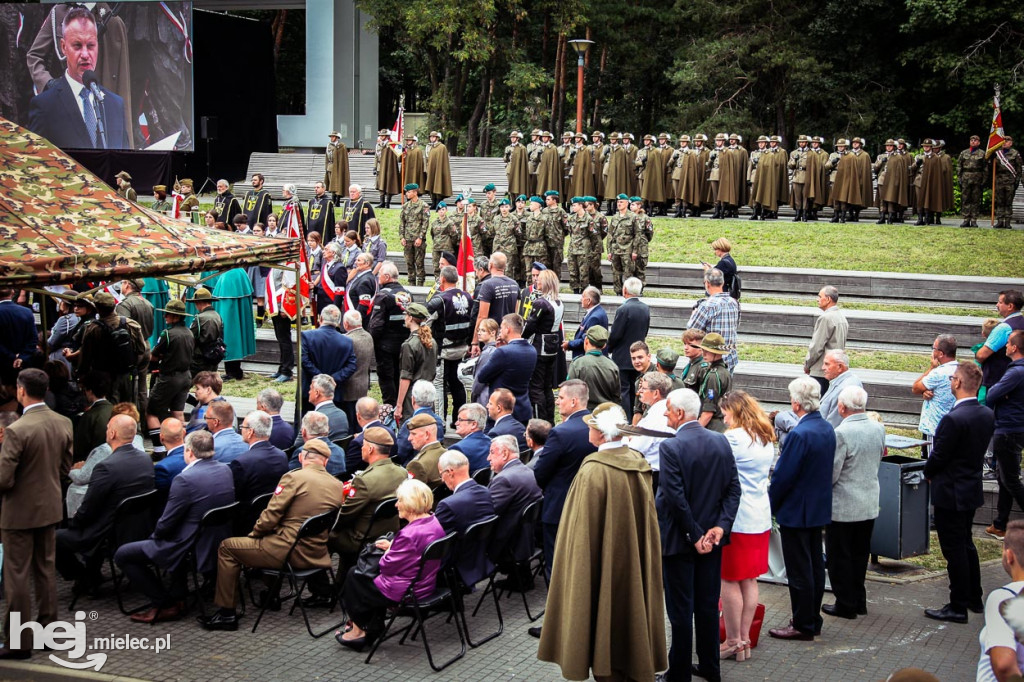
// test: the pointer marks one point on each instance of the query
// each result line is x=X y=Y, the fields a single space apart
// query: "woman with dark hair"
x=544 y=330
x=418 y=360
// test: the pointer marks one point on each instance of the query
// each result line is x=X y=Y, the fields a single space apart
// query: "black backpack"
x=120 y=357
x=734 y=289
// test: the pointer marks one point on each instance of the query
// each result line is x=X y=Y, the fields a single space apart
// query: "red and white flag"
x=397 y=131
x=464 y=264
x=995 y=135
x=177 y=198
x=281 y=284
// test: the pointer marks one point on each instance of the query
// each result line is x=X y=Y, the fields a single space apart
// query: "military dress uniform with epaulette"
x=423 y=467
x=413 y=224
x=581 y=229
x=970 y=167
x=507 y=235
x=444 y=236
x=369 y=487
x=798 y=164
x=1008 y=174
x=622 y=247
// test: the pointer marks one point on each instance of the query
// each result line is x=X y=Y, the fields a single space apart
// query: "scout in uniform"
x=124 y=186
x=622 y=243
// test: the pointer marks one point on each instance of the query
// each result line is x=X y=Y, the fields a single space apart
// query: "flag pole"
x=992 y=203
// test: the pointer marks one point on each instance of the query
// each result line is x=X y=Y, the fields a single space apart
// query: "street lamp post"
x=580 y=47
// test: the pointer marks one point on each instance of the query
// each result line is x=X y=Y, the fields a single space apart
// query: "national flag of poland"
x=995 y=135
x=281 y=292
x=467 y=273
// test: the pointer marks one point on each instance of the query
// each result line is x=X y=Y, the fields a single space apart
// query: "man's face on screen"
x=81 y=47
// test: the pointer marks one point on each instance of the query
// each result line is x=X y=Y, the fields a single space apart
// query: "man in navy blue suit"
x=205 y=484
x=632 y=321
x=511 y=366
x=469 y=503
x=591 y=302
x=257 y=470
x=282 y=434
x=17 y=336
x=801 y=499
x=367 y=410
x=567 y=445
x=513 y=487
x=326 y=350
x=67 y=112
x=954 y=469
x=475 y=444
x=172 y=435
x=500 y=405
x=321 y=397
x=698 y=496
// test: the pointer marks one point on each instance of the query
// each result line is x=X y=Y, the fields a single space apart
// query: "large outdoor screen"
x=99 y=75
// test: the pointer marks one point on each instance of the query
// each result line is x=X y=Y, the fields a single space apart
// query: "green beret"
x=471 y=200
x=411 y=185
x=504 y=202
x=576 y=200
x=521 y=197
x=537 y=199
x=635 y=199
x=622 y=197
x=417 y=311
x=551 y=193
x=592 y=200
x=489 y=187
x=441 y=205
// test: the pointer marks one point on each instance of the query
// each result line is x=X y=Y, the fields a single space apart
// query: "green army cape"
x=771 y=186
x=853 y=180
x=897 y=188
x=549 y=173
x=692 y=183
x=618 y=167
x=233 y=301
x=654 y=175
x=583 y=174
x=606 y=604
x=732 y=175
x=439 y=172
x=597 y=162
x=389 y=178
x=816 y=183
x=336 y=172
x=518 y=172
x=415 y=166
x=741 y=173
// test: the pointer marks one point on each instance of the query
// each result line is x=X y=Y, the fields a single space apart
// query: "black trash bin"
x=901 y=529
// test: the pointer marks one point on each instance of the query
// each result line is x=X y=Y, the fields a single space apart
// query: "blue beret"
x=411 y=185
x=441 y=205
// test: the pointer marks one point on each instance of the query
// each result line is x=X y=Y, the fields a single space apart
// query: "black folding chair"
x=386 y=510
x=343 y=442
x=135 y=507
x=525 y=455
x=482 y=476
x=419 y=610
x=299 y=577
x=528 y=520
x=246 y=515
x=476 y=536
x=214 y=518
x=440 y=491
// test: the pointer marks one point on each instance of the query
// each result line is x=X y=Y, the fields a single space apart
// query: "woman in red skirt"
x=752 y=439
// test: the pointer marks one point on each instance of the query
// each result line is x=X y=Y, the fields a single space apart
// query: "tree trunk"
x=486 y=151
x=473 y=134
x=597 y=88
x=564 y=69
x=277 y=26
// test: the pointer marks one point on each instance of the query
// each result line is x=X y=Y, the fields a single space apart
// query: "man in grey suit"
x=829 y=333
x=321 y=397
x=357 y=385
x=859 y=444
x=837 y=371
x=513 y=487
x=34 y=457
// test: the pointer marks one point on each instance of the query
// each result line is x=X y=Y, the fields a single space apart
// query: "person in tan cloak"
x=653 y=187
x=732 y=180
x=816 y=187
x=932 y=190
x=549 y=172
x=853 y=187
x=517 y=165
x=582 y=169
x=617 y=171
x=597 y=159
x=385 y=165
x=606 y=616
x=336 y=171
x=412 y=157
x=439 y=170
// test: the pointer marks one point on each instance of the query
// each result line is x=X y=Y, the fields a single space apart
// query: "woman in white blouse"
x=752 y=439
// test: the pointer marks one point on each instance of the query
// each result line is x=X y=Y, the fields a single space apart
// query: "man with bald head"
x=172 y=435
x=128 y=471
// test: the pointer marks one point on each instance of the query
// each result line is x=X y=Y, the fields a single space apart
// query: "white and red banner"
x=464 y=262
x=281 y=284
x=397 y=132
x=995 y=135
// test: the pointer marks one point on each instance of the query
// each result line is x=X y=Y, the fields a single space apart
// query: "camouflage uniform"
x=480 y=233
x=970 y=168
x=540 y=238
x=645 y=232
x=413 y=224
x=444 y=236
x=507 y=233
x=557 y=215
x=1007 y=181
x=623 y=236
x=489 y=211
x=597 y=236
x=581 y=229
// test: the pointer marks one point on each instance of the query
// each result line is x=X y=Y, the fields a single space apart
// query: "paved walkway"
x=894 y=635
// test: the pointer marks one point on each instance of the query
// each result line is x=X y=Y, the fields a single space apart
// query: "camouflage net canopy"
x=59 y=223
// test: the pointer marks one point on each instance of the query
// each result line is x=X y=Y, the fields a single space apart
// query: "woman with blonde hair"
x=81 y=472
x=487 y=336
x=418 y=358
x=752 y=440
x=544 y=330
x=374 y=244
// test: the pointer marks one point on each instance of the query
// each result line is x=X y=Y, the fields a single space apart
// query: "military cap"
x=411 y=137
x=890 y=143
x=417 y=311
x=581 y=135
x=613 y=136
x=186 y=182
x=86 y=300
x=551 y=193
x=762 y=138
x=201 y=294
x=802 y=138
x=160 y=188
x=334 y=133
x=649 y=137
x=538 y=266
x=591 y=199
x=700 y=137
x=105 y=299
x=576 y=200
x=536 y=199
x=378 y=435
x=420 y=420
x=448 y=256
x=441 y=205
x=434 y=133
x=123 y=175
x=135 y=282
x=667 y=358
x=597 y=336
x=317 y=447
x=591 y=419
x=521 y=197
x=842 y=142
x=942 y=143
x=535 y=131
x=412 y=186
x=860 y=140
x=635 y=200
x=684 y=138
x=928 y=142
x=516 y=134
x=721 y=136
x=714 y=343
x=567 y=135
x=622 y=197
x=775 y=138
x=546 y=133
x=383 y=131
x=174 y=307
x=504 y=202
x=597 y=133
x=664 y=136
x=734 y=136
x=975 y=137
x=628 y=136
x=900 y=140
x=489 y=187
x=739 y=138
x=471 y=200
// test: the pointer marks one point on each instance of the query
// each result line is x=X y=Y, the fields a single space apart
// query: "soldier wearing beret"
x=600 y=230
x=424 y=438
x=489 y=206
x=508 y=234
x=580 y=228
x=623 y=237
x=413 y=224
x=970 y=168
x=444 y=236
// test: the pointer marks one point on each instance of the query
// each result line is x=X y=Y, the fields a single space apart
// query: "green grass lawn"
x=988 y=549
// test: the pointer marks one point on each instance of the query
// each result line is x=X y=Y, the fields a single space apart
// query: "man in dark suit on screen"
x=68 y=113
x=954 y=469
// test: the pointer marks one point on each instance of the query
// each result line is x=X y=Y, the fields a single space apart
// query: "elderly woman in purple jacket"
x=366 y=600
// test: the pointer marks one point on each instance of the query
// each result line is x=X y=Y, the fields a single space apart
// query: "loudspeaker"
x=208 y=127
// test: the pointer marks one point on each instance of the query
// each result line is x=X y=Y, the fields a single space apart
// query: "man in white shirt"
x=1000 y=652
x=654 y=390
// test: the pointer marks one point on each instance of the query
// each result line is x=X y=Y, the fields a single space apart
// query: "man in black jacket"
x=631 y=322
x=452 y=328
x=954 y=470
x=387 y=327
x=257 y=470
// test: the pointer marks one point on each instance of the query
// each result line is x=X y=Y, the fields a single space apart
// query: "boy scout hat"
x=516 y=134
x=701 y=137
x=714 y=343
x=591 y=419
x=942 y=143
x=383 y=131
x=667 y=358
x=664 y=136
x=124 y=176
x=628 y=136
x=597 y=336
x=567 y=135
x=613 y=136
x=318 y=447
x=489 y=187
x=160 y=188
x=535 y=132
x=927 y=142
x=842 y=142
x=775 y=138
x=84 y=300
x=417 y=311
x=419 y=421
x=802 y=138
x=201 y=294
x=721 y=136
x=649 y=137
x=860 y=140
x=546 y=133
x=762 y=138
x=136 y=283
x=105 y=299
x=890 y=142
x=412 y=186
x=684 y=138
x=334 y=133
x=734 y=136
x=597 y=133
x=412 y=137
x=174 y=307
x=581 y=135
x=434 y=133
x=380 y=436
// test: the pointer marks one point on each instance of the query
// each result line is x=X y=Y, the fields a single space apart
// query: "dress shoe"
x=15 y=654
x=995 y=532
x=977 y=607
x=535 y=631
x=356 y=644
x=838 y=611
x=318 y=601
x=862 y=610
x=817 y=627
x=147 y=616
x=790 y=632
x=219 y=621
x=169 y=613
x=947 y=613
x=696 y=672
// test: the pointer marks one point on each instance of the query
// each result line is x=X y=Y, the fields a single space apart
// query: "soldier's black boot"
x=381 y=204
x=921 y=218
x=799 y=215
x=883 y=218
x=966 y=222
x=937 y=217
x=843 y=214
x=856 y=216
x=812 y=215
x=679 y=211
x=756 y=213
x=835 y=216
